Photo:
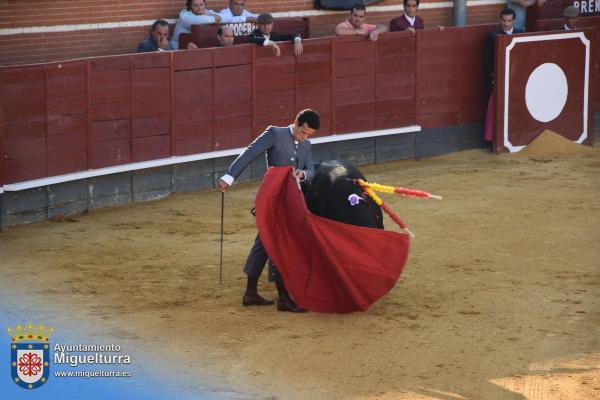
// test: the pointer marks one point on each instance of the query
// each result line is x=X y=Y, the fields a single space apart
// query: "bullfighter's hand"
x=299 y=175
x=223 y=185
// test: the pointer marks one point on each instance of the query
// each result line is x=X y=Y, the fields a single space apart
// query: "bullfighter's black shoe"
x=255 y=299
x=289 y=305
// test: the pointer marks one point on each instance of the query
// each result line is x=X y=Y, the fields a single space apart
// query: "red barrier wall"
x=452 y=81
x=66 y=117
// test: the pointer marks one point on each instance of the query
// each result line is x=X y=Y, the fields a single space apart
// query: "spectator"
x=225 y=36
x=194 y=13
x=507 y=20
x=520 y=9
x=236 y=12
x=409 y=21
x=356 y=25
x=158 y=39
x=263 y=35
x=570 y=14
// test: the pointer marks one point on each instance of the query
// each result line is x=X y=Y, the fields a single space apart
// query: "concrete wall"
x=39 y=204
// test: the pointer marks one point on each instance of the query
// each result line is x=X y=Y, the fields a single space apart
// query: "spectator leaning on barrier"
x=409 y=21
x=265 y=36
x=225 y=36
x=520 y=9
x=570 y=14
x=158 y=39
x=236 y=12
x=356 y=25
x=194 y=13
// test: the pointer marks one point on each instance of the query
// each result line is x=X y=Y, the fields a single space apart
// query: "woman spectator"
x=195 y=13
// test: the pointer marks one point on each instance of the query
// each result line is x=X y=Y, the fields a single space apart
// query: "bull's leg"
x=253 y=268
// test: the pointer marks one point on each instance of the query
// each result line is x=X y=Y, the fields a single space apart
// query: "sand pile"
x=550 y=143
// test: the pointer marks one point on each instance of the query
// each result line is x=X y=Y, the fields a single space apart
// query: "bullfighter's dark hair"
x=310 y=117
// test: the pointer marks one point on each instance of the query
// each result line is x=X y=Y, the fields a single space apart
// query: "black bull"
x=328 y=194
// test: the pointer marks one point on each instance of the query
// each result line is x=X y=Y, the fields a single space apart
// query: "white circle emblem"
x=546 y=92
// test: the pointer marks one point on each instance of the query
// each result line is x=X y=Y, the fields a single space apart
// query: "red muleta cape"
x=327 y=266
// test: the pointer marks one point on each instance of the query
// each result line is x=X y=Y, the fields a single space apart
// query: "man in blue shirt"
x=520 y=9
x=158 y=39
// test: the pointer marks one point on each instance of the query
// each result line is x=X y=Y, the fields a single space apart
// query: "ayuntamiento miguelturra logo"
x=30 y=355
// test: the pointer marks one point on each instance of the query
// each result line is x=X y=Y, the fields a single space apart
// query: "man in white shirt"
x=194 y=13
x=236 y=12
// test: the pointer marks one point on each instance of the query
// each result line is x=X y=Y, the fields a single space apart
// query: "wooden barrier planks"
x=155 y=105
x=355 y=66
x=396 y=80
x=314 y=82
x=110 y=93
x=232 y=115
x=66 y=116
x=452 y=82
x=473 y=96
x=150 y=106
x=193 y=111
x=275 y=87
x=24 y=112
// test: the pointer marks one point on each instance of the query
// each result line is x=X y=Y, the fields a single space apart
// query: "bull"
x=332 y=193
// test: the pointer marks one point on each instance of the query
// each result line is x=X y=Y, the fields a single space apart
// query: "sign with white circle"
x=543 y=83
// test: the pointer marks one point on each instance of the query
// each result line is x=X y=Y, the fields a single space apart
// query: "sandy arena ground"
x=499 y=298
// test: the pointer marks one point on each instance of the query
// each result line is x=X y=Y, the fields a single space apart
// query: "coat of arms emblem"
x=30 y=355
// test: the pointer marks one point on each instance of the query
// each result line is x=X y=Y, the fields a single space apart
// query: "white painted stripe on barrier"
x=284 y=14
x=91 y=173
x=53 y=180
x=362 y=135
x=77 y=27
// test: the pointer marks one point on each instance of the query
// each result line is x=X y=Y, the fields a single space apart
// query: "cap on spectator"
x=264 y=19
x=571 y=12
